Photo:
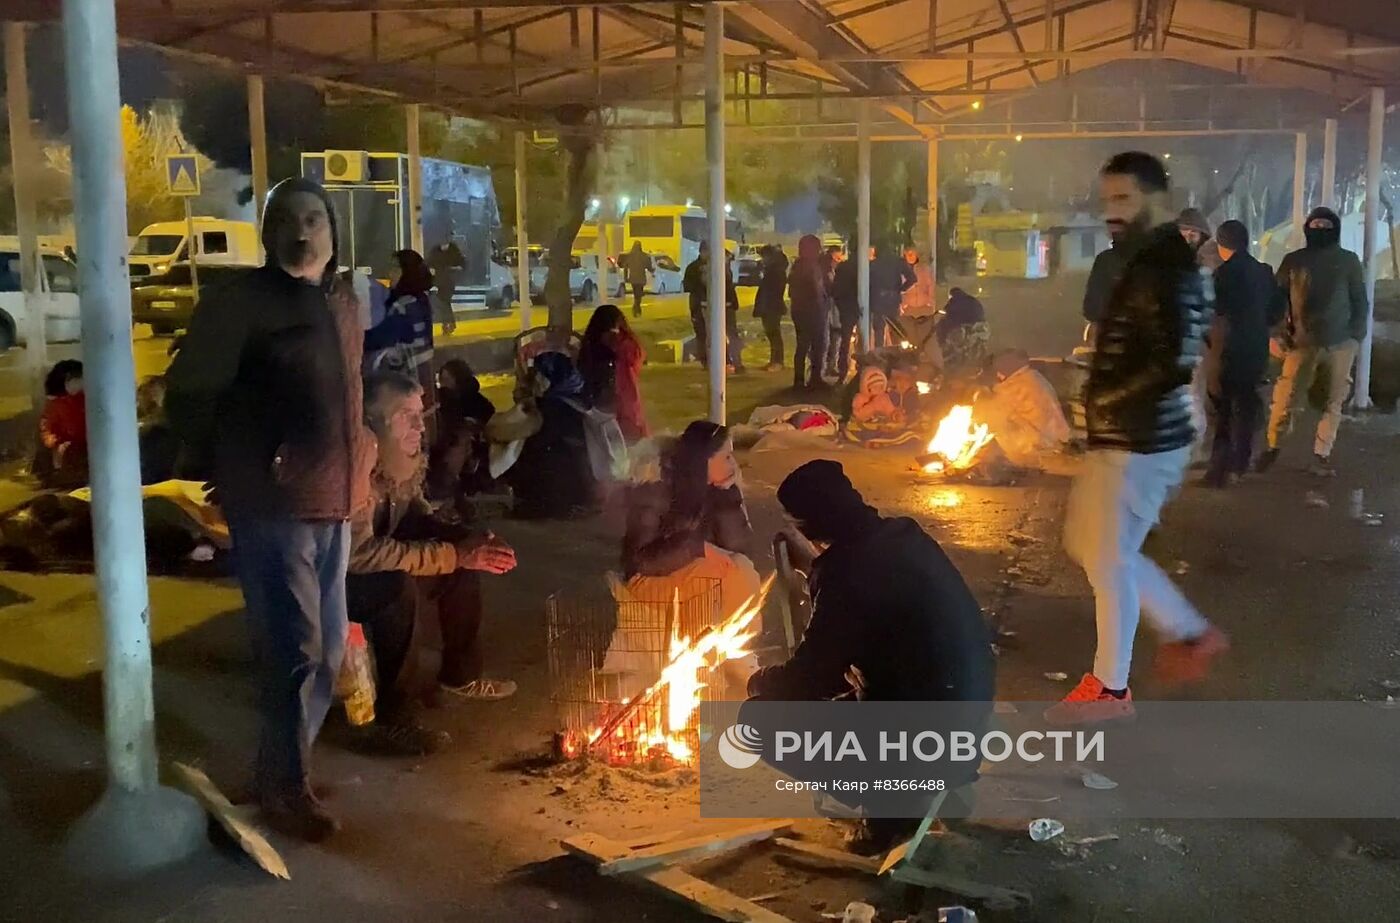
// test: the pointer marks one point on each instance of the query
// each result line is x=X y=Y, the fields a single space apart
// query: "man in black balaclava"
x=888 y=606
x=266 y=390
x=1325 y=322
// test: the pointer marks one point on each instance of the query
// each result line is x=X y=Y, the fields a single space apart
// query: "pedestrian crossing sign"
x=182 y=174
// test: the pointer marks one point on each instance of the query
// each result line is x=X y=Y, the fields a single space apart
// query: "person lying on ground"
x=458 y=462
x=1023 y=411
x=62 y=458
x=413 y=577
x=688 y=522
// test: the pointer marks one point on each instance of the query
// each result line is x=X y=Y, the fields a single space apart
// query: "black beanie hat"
x=823 y=500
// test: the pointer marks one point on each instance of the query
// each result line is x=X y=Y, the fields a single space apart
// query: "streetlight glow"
x=622 y=202
x=597 y=203
x=728 y=208
x=977 y=104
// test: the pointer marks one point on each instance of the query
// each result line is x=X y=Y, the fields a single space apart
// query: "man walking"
x=636 y=264
x=1139 y=426
x=1324 y=323
x=448 y=265
x=267 y=382
x=1245 y=299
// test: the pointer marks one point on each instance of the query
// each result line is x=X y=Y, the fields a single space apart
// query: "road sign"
x=182 y=174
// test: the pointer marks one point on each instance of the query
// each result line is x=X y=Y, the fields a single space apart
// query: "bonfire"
x=659 y=723
x=956 y=443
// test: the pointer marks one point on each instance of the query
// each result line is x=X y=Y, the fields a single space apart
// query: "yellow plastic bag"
x=355 y=684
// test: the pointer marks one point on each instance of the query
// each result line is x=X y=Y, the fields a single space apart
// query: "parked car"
x=58 y=286
x=583 y=278
x=748 y=270
x=166 y=301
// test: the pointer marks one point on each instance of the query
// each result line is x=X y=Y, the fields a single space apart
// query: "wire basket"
x=607 y=647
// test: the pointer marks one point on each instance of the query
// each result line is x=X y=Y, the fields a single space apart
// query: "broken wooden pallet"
x=991 y=895
x=235 y=820
x=651 y=866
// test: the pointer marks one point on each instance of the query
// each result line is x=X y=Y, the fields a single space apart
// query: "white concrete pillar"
x=1328 y=198
x=933 y=217
x=862 y=254
x=605 y=283
x=1300 y=173
x=714 y=159
x=415 y=178
x=522 y=241
x=257 y=140
x=23 y=157
x=137 y=825
x=1371 y=214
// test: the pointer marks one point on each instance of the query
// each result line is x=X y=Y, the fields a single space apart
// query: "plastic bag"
x=355 y=684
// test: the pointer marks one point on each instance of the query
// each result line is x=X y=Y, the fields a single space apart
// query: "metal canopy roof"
x=924 y=61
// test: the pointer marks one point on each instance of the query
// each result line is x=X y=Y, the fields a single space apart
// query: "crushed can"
x=355 y=683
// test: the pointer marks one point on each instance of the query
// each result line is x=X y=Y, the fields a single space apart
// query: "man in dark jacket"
x=769 y=305
x=413 y=577
x=267 y=382
x=913 y=634
x=846 y=296
x=1103 y=278
x=1245 y=299
x=1138 y=412
x=890 y=278
x=696 y=281
x=1325 y=322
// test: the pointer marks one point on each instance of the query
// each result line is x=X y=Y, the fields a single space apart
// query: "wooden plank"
x=675 y=883
x=692 y=848
x=993 y=896
x=233 y=819
x=906 y=850
x=827 y=856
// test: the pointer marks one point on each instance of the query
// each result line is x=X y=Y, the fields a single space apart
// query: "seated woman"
x=689 y=523
x=458 y=460
x=878 y=416
x=160 y=447
x=552 y=478
x=61 y=460
x=610 y=360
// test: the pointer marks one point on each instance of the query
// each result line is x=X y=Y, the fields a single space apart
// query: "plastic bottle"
x=958 y=914
x=1045 y=828
x=356 y=681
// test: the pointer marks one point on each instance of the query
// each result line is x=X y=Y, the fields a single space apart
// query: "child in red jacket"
x=62 y=456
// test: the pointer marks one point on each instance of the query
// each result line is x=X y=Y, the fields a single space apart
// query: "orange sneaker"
x=1089 y=703
x=1182 y=662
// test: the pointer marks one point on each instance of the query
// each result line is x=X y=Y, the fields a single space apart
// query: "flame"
x=957 y=440
x=682 y=681
x=923 y=387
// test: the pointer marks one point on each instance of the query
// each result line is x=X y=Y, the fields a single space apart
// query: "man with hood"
x=1195 y=230
x=769 y=302
x=696 y=282
x=266 y=389
x=1324 y=322
x=892 y=621
x=811 y=308
x=636 y=264
x=1140 y=425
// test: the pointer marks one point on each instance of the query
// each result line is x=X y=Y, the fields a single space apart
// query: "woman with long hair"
x=688 y=522
x=610 y=360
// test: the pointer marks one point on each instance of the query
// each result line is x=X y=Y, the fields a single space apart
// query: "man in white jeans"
x=1325 y=323
x=1140 y=428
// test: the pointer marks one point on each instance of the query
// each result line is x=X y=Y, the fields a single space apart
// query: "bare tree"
x=580 y=140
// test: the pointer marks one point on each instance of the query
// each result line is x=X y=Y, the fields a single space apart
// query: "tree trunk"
x=580 y=144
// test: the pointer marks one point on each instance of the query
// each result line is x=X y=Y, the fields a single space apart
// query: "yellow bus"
x=675 y=231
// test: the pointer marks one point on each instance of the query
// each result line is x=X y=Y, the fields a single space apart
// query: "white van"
x=219 y=243
x=58 y=286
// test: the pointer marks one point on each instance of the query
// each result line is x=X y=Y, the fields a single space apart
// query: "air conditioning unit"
x=347 y=166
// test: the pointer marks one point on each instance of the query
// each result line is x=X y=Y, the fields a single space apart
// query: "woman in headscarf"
x=686 y=521
x=459 y=461
x=811 y=305
x=553 y=479
x=403 y=340
x=610 y=360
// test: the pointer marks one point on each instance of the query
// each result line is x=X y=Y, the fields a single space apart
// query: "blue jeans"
x=1113 y=504
x=293 y=579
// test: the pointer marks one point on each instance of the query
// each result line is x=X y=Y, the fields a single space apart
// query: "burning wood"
x=658 y=721
x=956 y=443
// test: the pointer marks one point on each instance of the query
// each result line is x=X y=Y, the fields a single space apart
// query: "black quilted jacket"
x=1138 y=397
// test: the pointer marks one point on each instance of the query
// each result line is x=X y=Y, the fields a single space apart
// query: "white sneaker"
x=483 y=690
